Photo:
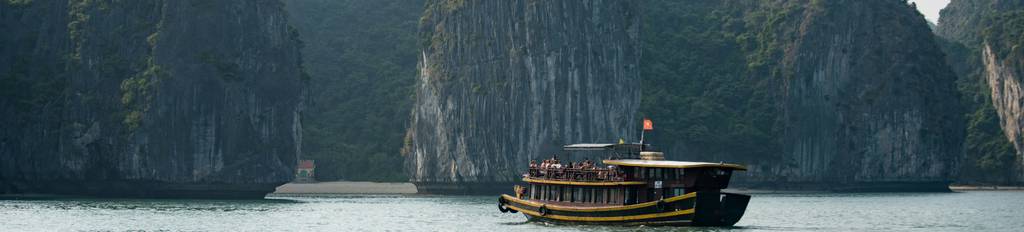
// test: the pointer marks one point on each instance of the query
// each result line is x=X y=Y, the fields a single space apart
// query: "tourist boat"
x=633 y=187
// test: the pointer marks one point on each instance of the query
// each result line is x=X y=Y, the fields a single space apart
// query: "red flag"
x=648 y=125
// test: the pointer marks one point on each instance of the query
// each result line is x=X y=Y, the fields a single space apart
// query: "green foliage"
x=152 y=38
x=696 y=87
x=1006 y=35
x=361 y=57
x=137 y=94
x=26 y=88
x=989 y=157
x=78 y=17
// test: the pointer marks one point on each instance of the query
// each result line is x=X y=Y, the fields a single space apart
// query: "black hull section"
x=934 y=186
x=715 y=210
x=463 y=188
x=137 y=189
x=697 y=209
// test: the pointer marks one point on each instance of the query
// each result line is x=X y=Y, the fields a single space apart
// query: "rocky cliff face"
x=963 y=21
x=361 y=56
x=149 y=98
x=829 y=94
x=1004 y=78
x=503 y=82
x=870 y=98
x=980 y=37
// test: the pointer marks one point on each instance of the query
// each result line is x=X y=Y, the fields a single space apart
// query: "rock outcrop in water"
x=840 y=95
x=982 y=36
x=503 y=82
x=148 y=98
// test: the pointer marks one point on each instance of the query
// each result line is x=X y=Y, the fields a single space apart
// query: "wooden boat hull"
x=693 y=209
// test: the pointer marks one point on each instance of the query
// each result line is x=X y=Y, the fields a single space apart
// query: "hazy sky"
x=930 y=8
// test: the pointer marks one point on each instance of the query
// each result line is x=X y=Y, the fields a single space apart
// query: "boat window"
x=567 y=194
x=626 y=196
x=672 y=192
x=593 y=196
x=612 y=195
x=553 y=193
x=558 y=193
x=587 y=195
x=606 y=197
x=537 y=192
x=620 y=192
x=543 y=192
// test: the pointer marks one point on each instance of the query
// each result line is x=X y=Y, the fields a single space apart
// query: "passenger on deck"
x=544 y=167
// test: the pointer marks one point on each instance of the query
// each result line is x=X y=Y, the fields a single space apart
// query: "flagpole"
x=647 y=125
x=642 y=139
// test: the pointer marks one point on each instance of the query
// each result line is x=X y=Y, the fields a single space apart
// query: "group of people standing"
x=553 y=162
x=554 y=168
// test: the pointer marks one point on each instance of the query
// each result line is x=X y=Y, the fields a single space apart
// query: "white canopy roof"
x=672 y=164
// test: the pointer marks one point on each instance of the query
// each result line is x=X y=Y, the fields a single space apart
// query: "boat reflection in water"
x=641 y=189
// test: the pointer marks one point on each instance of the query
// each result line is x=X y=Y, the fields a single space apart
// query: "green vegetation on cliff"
x=361 y=57
x=802 y=91
x=708 y=70
x=1006 y=35
x=963 y=28
x=986 y=149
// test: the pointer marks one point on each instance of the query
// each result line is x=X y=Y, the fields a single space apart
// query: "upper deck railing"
x=577 y=174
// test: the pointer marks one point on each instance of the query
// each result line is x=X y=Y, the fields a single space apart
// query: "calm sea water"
x=970 y=211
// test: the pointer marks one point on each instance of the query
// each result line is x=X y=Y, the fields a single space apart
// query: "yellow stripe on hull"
x=604 y=219
x=601 y=208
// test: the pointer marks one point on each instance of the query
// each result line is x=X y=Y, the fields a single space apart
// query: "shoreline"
x=985 y=188
x=407 y=188
x=343 y=187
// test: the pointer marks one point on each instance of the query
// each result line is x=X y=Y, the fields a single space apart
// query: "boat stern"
x=719 y=209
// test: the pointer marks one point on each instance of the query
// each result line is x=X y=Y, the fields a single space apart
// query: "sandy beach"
x=985 y=188
x=344 y=187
